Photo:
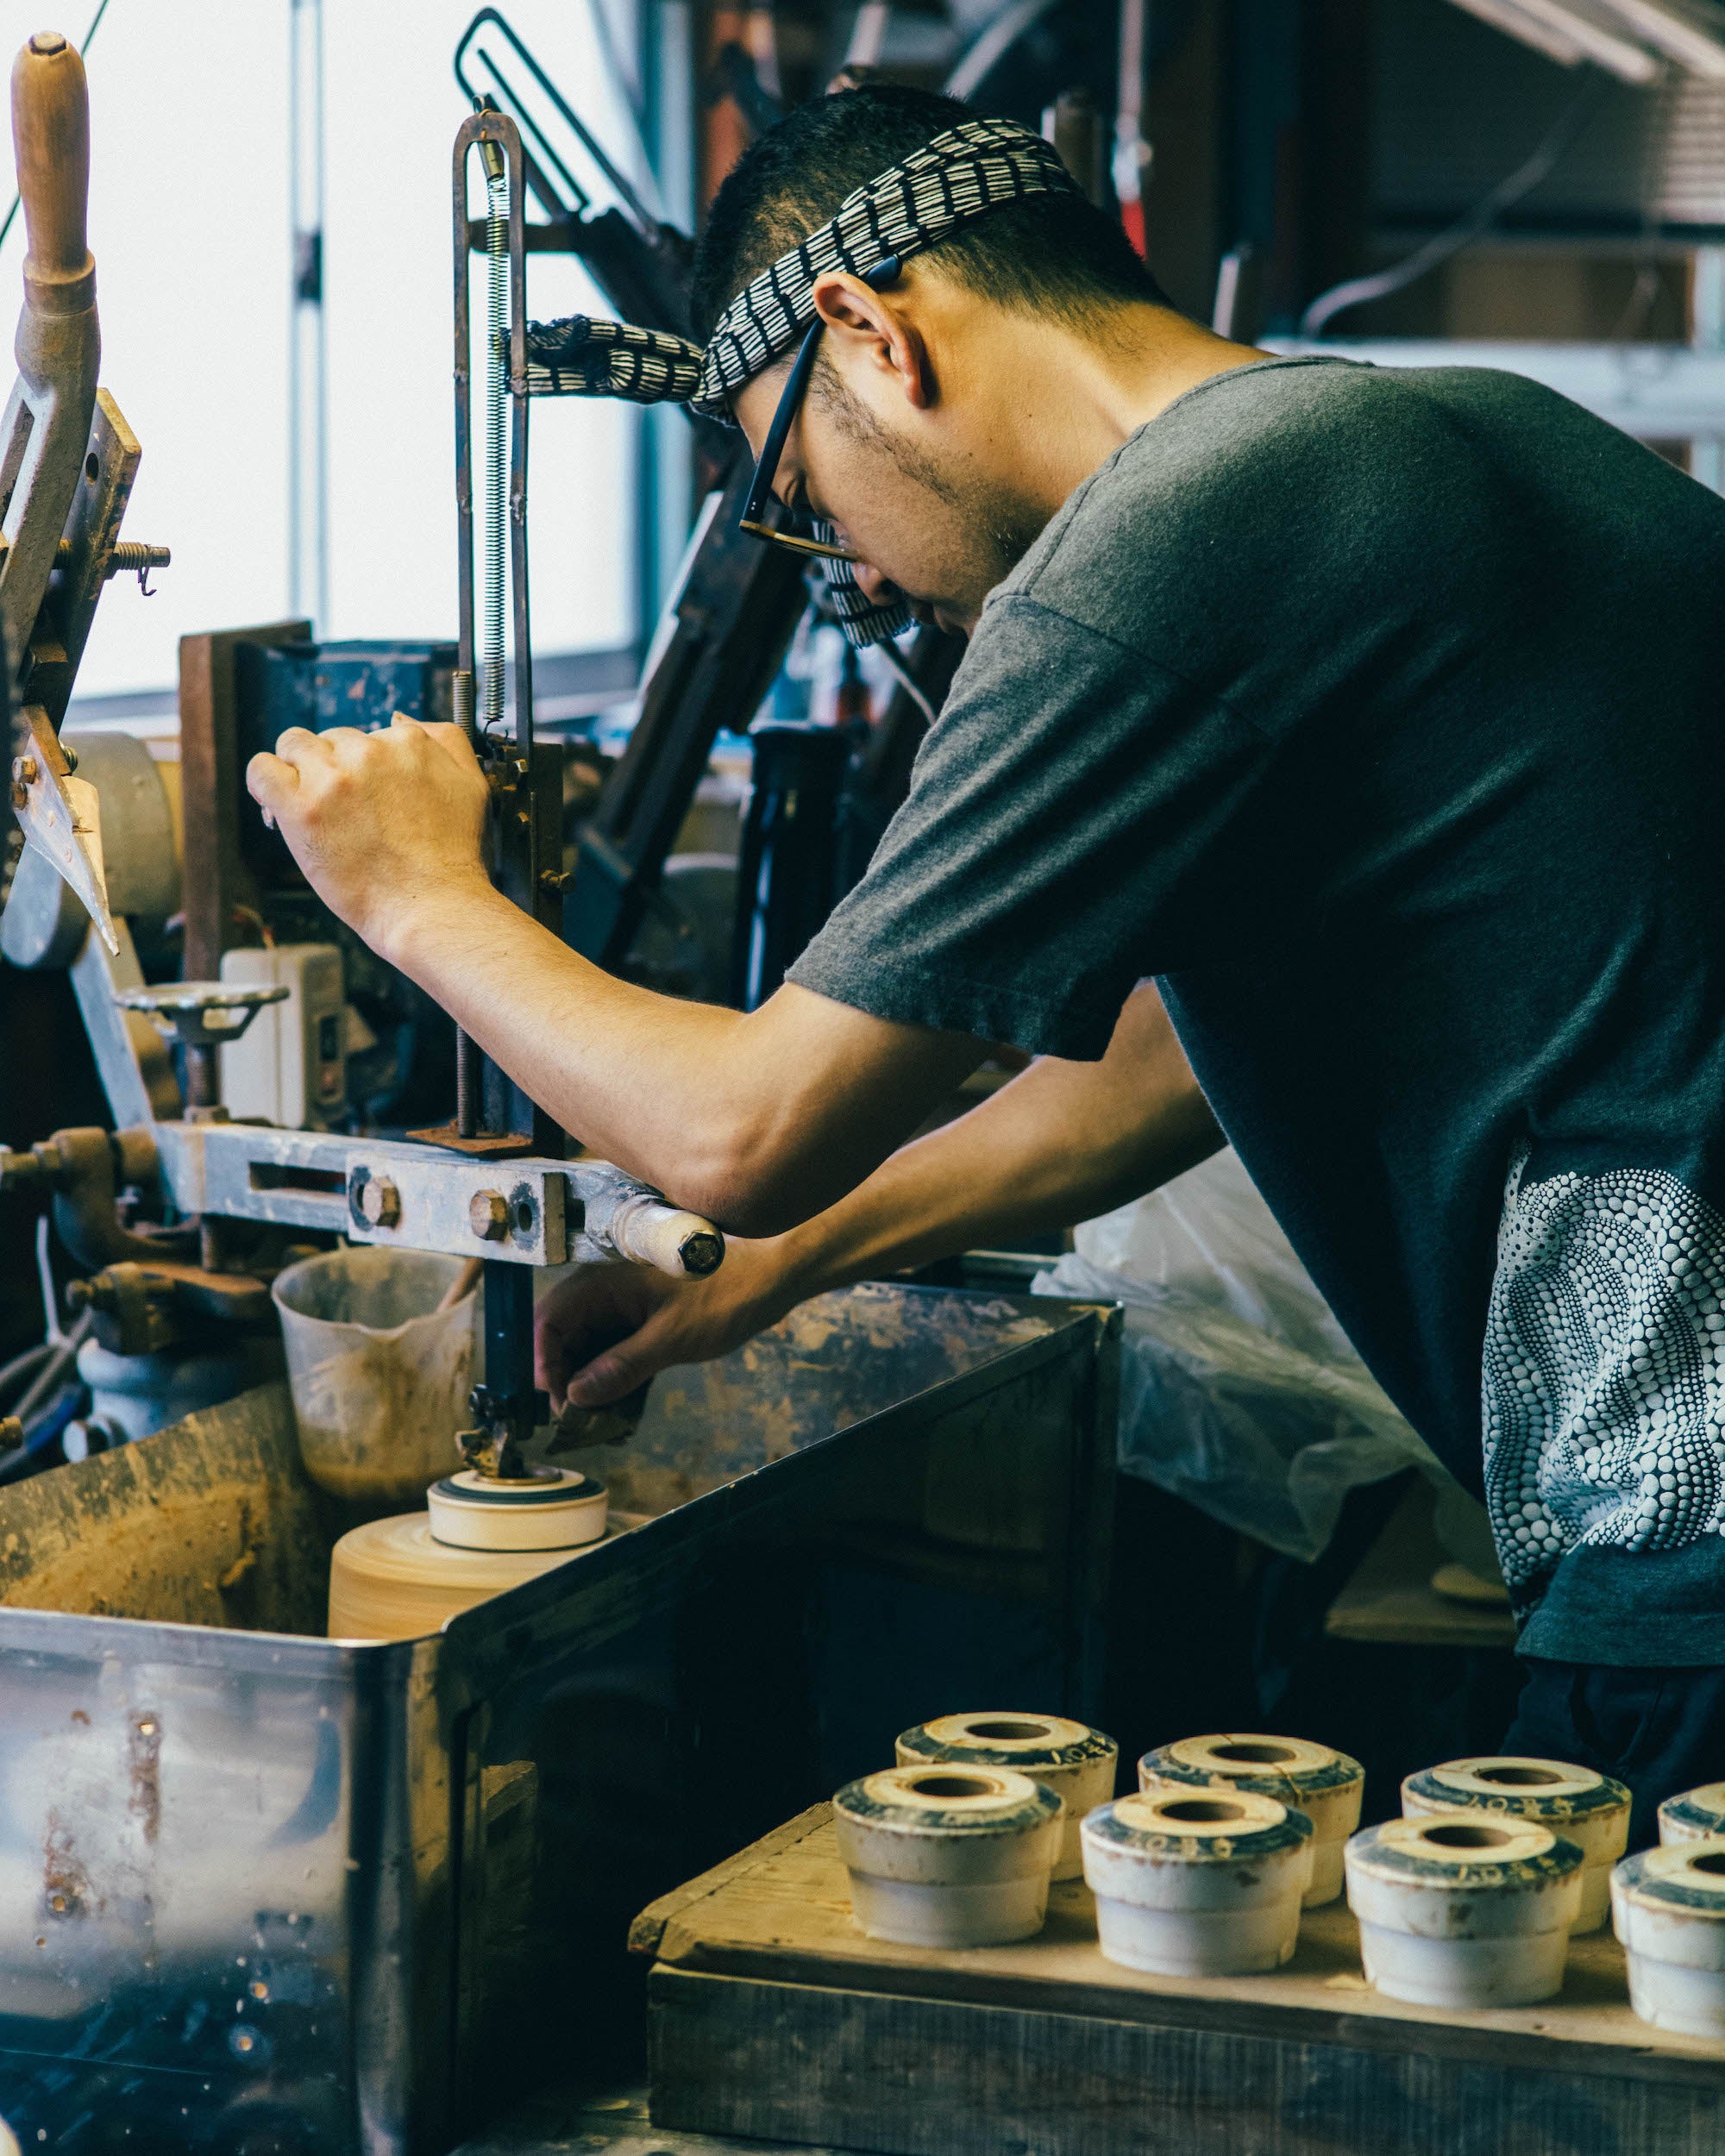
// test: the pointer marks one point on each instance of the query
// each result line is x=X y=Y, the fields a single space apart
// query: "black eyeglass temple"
x=796 y=385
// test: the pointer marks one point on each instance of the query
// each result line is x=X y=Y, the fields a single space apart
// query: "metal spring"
x=496 y=443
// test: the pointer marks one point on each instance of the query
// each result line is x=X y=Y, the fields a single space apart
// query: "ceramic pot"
x=1077 y=1763
x=1668 y=1906
x=1323 y=1784
x=1459 y=1911
x=1197 y=1883
x=1587 y=1808
x=943 y=1856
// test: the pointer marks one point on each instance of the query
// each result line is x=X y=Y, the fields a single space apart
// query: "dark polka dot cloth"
x=1604 y=1376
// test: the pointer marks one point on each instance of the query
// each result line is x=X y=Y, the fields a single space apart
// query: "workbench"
x=610 y=2123
x=772 y=2018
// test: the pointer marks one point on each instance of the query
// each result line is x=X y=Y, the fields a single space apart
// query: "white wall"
x=188 y=226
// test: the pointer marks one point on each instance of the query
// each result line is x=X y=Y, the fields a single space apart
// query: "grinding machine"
x=262 y=1889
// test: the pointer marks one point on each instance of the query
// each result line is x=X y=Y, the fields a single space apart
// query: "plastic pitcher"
x=379 y=1376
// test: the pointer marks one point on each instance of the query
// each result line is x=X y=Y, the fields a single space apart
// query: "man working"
x=1369 y=713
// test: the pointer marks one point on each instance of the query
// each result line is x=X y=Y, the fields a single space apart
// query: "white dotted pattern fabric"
x=1604 y=1373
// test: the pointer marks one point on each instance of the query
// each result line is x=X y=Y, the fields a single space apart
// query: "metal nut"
x=24 y=771
x=488 y=1215
x=379 y=1202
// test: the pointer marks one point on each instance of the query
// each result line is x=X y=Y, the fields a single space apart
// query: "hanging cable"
x=1484 y=214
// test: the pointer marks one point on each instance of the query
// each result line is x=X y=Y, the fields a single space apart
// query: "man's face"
x=922 y=519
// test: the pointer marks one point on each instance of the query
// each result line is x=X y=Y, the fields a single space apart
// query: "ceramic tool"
x=1316 y=1779
x=1668 y=1906
x=1587 y=1808
x=1198 y=1884
x=947 y=1856
x=1077 y=1763
x=1693 y=1814
x=1459 y=1910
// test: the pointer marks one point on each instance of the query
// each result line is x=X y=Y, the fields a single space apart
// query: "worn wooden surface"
x=1390 y=1600
x=572 y=2123
x=771 y=2015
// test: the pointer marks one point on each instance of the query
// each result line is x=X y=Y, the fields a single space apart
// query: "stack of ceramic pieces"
x=1325 y=1784
x=1457 y=1910
x=1197 y=1885
x=390 y=1580
x=947 y=1857
x=552 y=1508
x=1694 y=1815
x=1668 y=1906
x=1587 y=1808
x=1075 y=1762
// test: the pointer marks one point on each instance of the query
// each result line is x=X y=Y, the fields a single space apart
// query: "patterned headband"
x=979 y=166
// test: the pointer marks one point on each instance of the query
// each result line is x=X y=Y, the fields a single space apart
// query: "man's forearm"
x=1061 y=1143
x=755 y=1119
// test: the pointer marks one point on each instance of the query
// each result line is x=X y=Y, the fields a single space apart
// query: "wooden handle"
x=51 y=137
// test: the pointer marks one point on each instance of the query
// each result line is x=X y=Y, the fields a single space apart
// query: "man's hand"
x=608 y=1328
x=380 y=823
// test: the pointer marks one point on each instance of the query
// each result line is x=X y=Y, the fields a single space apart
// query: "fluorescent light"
x=1562 y=31
x=1675 y=32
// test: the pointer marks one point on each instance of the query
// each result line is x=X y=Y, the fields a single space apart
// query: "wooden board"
x=1390 y=1600
x=771 y=2014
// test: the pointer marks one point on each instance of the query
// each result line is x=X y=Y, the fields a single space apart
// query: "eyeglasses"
x=795 y=528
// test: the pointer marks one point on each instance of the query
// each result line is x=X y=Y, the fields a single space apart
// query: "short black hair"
x=1049 y=254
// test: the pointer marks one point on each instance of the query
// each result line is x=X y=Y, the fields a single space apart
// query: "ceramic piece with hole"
x=1316 y=1779
x=1587 y=1808
x=1459 y=1910
x=1077 y=1763
x=1693 y=1815
x=1668 y=1906
x=551 y=1508
x=1192 y=1883
x=942 y=1856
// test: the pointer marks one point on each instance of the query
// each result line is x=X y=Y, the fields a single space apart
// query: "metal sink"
x=262 y=1891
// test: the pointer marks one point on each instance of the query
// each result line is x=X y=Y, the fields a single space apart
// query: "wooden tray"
x=771 y=2014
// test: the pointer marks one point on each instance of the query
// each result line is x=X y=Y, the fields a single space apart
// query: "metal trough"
x=263 y=1892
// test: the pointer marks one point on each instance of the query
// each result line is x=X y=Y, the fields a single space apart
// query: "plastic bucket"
x=379 y=1376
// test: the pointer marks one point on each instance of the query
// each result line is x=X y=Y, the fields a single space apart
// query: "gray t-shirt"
x=1375 y=713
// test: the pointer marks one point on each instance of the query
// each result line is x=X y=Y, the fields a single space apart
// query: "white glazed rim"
x=1513 y=1840
x=1470 y=1775
x=1043 y=1734
x=1694 y=1868
x=1292 y=1761
x=1147 y=1811
x=1007 y=1792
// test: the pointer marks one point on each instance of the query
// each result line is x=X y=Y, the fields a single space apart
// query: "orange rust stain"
x=66 y=1883
x=143 y=1773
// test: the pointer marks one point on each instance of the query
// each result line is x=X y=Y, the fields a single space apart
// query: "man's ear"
x=869 y=326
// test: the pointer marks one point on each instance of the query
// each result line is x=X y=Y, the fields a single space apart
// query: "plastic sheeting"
x=1239 y=1391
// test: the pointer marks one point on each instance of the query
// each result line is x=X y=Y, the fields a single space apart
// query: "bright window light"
x=189 y=223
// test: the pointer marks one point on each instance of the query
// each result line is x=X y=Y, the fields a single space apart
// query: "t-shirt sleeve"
x=1077 y=819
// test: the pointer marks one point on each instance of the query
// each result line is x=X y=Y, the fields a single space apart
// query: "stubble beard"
x=996 y=527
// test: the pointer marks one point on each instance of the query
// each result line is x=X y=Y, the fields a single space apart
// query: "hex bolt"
x=25 y=771
x=488 y=1215
x=379 y=1202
